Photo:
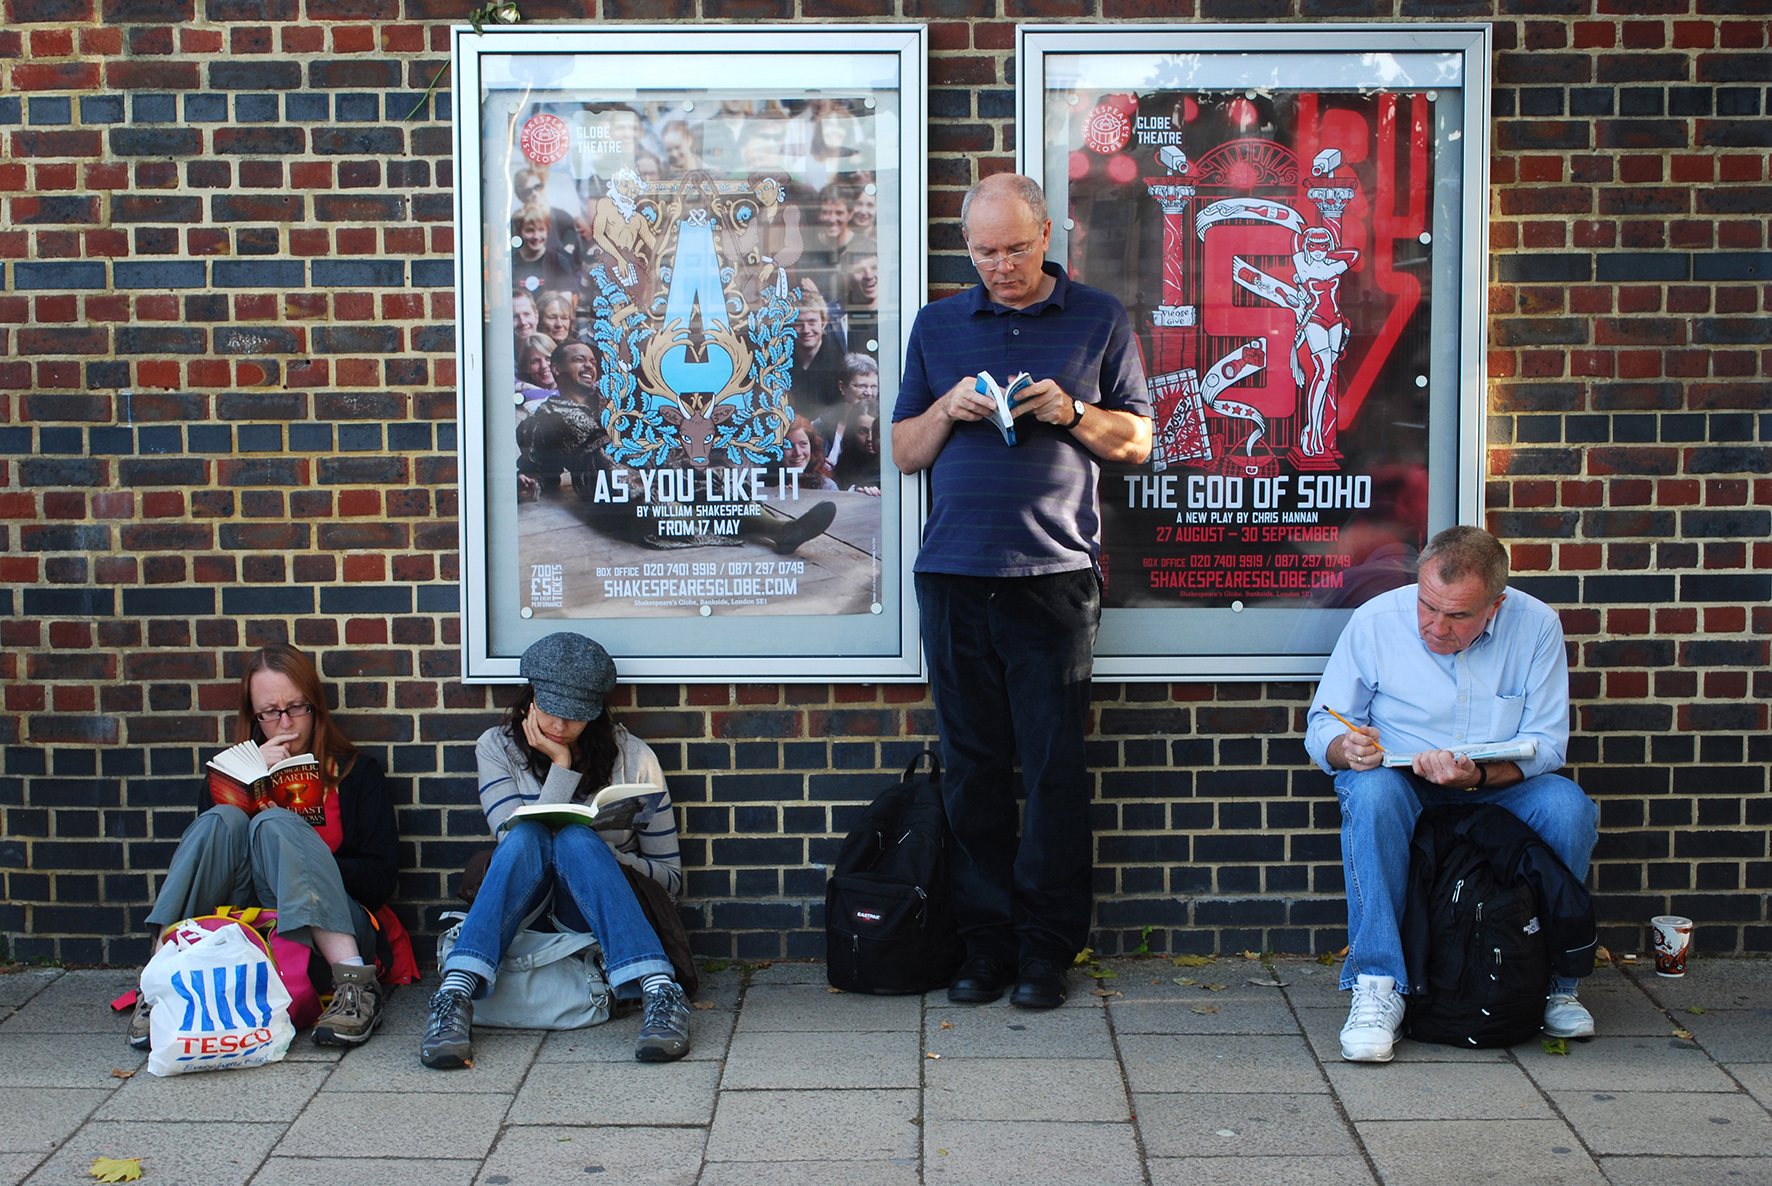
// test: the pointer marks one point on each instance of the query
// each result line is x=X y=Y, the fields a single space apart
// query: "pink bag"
x=290 y=957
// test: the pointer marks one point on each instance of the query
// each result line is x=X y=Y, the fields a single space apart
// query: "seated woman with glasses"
x=323 y=869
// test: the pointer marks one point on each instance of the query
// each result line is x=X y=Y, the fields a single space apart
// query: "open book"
x=611 y=809
x=1004 y=416
x=1497 y=751
x=240 y=776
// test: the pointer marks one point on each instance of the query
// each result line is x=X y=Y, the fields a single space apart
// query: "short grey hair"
x=1460 y=552
x=1014 y=185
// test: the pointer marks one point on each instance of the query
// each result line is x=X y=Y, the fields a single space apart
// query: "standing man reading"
x=1008 y=578
x=1433 y=669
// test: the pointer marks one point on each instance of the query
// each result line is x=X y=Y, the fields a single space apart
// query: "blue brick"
x=155 y=109
x=80 y=274
x=355 y=273
x=306 y=108
x=211 y=438
x=206 y=109
x=259 y=273
x=433 y=273
x=1641 y=266
x=409 y=438
x=950 y=103
x=60 y=440
x=182 y=273
x=112 y=440
x=261 y=438
x=439 y=599
x=401 y=104
x=1543 y=267
x=310 y=438
x=359 y=438
x=358 y=108
x=51 y=110
x=366 y=599
x=15 y=440
x=169 y=603
x=1732 y=265
x=101 y=109
x=1556 y=590
x=284 y=599
x=441 y=105
x=160 y=439
x=446 y=438
x=11 y=110
x=100 y=375
x=255 y=109
x=82 y=603
x=6 y=602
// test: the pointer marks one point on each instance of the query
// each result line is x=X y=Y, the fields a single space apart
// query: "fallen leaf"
x=1269 y=983
x=1156 y=982
x=562 y=1138
x=1250 y=955
x=1325 y=959
x=833 y=990
x=1105 y=993
x=1600 y=953
x=117 y=1074
x=1101 y=973
x=468 y=1063
x=943 y=1152
x=1555 y=1046
x=947 y=1025
x=1184 y=981
x=704 y=1004
x=1083 y=957
x=1695 y=1011
x=1686 y=1034
x=1215 y=987
x=116 y=1169
x=1205 y=1008
x=1192 y=961
x=717 y=965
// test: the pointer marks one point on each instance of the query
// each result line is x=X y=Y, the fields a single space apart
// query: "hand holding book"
x=612 y=809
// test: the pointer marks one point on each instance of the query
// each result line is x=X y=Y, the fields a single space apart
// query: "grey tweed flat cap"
x=571 y=674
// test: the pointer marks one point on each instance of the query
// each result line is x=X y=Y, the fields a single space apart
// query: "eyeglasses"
x=294 y=712
x=993 y=261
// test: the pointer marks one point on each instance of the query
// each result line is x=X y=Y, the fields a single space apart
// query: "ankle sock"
x=655 y=982
x=354 y=961
x=463 y=981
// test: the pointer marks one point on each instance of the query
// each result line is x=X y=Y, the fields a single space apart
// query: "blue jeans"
x=1378 y=812
x=1009 y=665
x=591 y=893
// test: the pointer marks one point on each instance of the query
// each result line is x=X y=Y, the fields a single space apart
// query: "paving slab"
x=1080 y=994
x=389 y=1062
x=1668 y=1124
x=1429 y=1091
x=1310 y=984
x=602 y=1093
x=171 y=1154
x=709 y=1033
x=629 y=1156
x=1606 y=1063
x=38 y=1120
x=814 y=1126
x=788 y=972
x=723 y=988
x=1732 y=1035
x=65 y=1060
x=1710 y=984
x=1206 y=1013
x=1323 y=1029
x=1029 y=1089
x=76 y=1003
x=1756 y=1078
x=16 y=1167
x=1687 y=1171
x=1252 y=1125
x=1619 y=1006
x=345 y=1171
x=304 y=1050
x=21 y=984
x=1218 y=1063
x=1156 y=979
x=1019 y=1033
x=1268 y=1171
x=415 y=1124
x=251 y=1094
x=1006 y=1153
x=1478 y=1153
x=407 y=1012
x=818 y=1058
x=776 y=1007
x=901 y=1172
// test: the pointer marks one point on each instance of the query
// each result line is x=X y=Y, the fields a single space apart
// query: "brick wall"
x=226 y=401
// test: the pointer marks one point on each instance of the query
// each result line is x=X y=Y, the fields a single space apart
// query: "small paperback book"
x=240 y=776
x=611 y=809
x=1004 y=416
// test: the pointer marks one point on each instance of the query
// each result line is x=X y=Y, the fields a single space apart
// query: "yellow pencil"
x=1350 y=725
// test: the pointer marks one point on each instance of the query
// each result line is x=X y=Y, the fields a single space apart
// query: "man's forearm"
x=1114 y=436
x=918 y=441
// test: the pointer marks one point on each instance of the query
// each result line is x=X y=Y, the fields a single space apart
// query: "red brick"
x=1627 y=621
x=1627 y=685
x=303 y=39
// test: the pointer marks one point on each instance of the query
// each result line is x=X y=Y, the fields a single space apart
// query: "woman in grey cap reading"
x=557 y=745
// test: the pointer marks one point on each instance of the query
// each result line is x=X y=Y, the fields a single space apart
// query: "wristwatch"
x=1079 y=405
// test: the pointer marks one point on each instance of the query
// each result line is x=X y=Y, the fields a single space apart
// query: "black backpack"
x=1482 y=978
x=888 y=924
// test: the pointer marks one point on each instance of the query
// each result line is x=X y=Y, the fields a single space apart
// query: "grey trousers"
x=273 y=859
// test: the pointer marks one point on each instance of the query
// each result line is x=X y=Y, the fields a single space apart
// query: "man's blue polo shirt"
x=1029 y=510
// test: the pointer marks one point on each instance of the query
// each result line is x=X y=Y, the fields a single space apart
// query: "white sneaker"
x=1373 y=1022
x=1566 y=1017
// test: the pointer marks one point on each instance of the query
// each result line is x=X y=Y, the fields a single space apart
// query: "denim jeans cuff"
x=639 y=969
x=460 y=961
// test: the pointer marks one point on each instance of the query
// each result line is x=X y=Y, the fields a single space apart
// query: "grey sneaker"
x=664 y=1031
x=356 y=1007
x=449 y=1035
x=140 y=1036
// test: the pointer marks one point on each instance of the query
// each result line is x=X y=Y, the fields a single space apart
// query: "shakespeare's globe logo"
x=544 y=139
x=1107 y=129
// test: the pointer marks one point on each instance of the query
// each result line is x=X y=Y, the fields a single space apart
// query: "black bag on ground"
x=1477 y=935
x=888 y=924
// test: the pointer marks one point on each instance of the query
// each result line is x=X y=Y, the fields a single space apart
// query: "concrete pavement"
x=1217 y=1080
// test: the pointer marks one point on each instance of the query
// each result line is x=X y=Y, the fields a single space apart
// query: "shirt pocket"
x=1505 y=717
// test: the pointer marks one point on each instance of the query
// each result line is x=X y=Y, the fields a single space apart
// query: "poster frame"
x=767 y=647
x=1168 y=651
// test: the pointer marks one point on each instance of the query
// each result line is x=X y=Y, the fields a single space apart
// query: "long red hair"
x=333 y=750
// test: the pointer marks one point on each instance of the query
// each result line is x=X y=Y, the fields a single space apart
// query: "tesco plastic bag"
x=217 y=1001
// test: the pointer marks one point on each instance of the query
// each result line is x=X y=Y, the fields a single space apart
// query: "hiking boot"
x=789 y=536
x=664 y=1030
x=1372 y=1023
x=356 y=1007
x=141 y=1036
x=449 y=1035
x=1566 y=1017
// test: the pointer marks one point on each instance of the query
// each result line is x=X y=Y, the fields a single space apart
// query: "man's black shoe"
x=789 y=536
x=1040 y=985
x=979 y=981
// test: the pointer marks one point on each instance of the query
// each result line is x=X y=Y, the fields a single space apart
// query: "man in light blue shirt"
x=1435 y=669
